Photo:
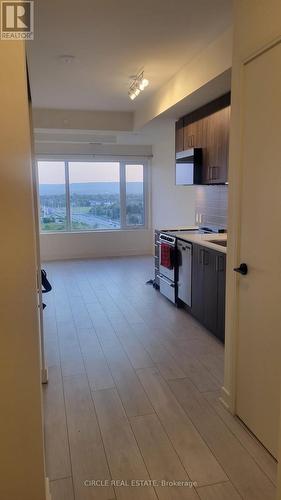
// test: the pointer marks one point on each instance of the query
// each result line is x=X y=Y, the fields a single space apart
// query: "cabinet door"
x=220 y=170
x=205 y=139
x=194 y=135
x=197 y=282
x=217 y=130
x=199 y=134
x=179 y=135
x=189 y=135
x=210 y=290
x=221 y=273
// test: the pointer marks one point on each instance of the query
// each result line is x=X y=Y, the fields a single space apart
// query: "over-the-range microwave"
x=189 y=167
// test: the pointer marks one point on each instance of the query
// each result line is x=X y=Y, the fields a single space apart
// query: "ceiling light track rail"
x=137 y=85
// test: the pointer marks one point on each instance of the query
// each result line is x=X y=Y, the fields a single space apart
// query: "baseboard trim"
x=130 y=253
x=44 y=375
x=48 y=491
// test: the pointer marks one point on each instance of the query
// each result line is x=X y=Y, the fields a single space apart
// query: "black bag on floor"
x=46 y=285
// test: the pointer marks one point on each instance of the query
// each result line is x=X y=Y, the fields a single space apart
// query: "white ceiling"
x=111 y=40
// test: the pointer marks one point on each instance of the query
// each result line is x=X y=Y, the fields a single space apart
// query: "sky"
x=52 y=172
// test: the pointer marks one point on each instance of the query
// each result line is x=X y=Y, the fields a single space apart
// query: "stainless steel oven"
x=168 y=268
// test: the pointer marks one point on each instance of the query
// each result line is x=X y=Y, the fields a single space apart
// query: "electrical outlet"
x=200 y=218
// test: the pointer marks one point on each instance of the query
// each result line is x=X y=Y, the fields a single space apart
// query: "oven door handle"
x=165 y=280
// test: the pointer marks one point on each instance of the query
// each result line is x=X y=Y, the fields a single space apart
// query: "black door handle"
x=242 y=269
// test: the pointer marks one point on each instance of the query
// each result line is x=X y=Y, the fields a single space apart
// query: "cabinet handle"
x=161 y=277
x=217 y=264
x=190 y=141
x=201 y=256
x=220 y=267
x=206 y=258
x=216 y=170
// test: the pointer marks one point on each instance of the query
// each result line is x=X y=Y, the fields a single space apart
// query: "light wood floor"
x=133 y=394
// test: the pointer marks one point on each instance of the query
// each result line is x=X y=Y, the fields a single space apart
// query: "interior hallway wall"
x=171 y=205
x=21 y=433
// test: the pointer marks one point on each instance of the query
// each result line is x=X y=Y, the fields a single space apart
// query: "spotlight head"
x=144 y=83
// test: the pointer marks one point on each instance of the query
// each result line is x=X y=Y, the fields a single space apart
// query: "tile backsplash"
x=211 y=206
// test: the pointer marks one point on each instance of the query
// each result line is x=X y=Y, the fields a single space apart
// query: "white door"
x=259 y=296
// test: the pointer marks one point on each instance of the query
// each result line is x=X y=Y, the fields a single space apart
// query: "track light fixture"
x=137 y=85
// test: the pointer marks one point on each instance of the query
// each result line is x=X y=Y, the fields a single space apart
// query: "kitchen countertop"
x=177 y=228
x=202 y=239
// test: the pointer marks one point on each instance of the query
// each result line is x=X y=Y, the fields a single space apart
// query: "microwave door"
x=184 y=173
x=189 y=167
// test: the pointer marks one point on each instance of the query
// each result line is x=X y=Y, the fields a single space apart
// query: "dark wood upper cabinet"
x=208 y=128
x=215 y=154
x=179 y=135
x=193 y=135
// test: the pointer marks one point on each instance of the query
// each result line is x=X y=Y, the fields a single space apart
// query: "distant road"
x=89 y=219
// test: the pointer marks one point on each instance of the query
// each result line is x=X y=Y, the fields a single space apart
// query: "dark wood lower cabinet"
x=221 y=295
x=197 y=281
x=208 y=288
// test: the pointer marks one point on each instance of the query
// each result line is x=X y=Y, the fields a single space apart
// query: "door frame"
x=228 y=391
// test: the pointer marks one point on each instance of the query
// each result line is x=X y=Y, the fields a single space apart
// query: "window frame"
x=122 y=189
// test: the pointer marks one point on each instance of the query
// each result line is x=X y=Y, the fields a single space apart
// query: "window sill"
x=99 y=231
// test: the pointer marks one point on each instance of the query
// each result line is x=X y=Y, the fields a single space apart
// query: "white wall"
x=21 y=433
x=75 y=119
x=60 y=246
x=171 y=205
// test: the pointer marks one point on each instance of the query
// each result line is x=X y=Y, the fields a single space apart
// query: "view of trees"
x=89 y=211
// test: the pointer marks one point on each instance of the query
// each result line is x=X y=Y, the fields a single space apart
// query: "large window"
x=52 y=195
x=94 y=195
x=134 y=195
x=89 y=196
